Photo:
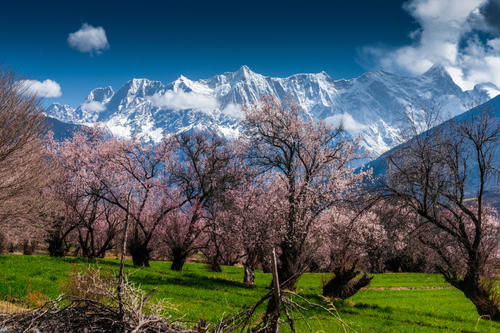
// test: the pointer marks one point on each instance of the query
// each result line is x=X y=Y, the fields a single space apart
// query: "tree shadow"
x=101 y=262
x=188 y=279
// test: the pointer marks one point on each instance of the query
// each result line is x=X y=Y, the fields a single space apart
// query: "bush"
x=95 y=285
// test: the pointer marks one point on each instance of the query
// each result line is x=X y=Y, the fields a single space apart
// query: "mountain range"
x=492 y=187
x=373 y=106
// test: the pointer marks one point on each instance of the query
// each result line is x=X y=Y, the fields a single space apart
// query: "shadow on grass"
x=148 y=276
x=101 y=262
x=389 y=309
x=383 y=312
x=187 y=279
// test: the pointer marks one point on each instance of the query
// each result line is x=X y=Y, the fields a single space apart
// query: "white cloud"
x=448 y=35
x=234 y=111
x=88 y=39
x=46 y=88
x=494 y=43
x=347 y=122
x=93 y=106
x=180 y=100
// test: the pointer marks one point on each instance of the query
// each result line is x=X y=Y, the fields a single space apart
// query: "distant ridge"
x=492 y=107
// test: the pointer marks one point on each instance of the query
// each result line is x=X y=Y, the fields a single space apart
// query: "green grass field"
x=402 y=302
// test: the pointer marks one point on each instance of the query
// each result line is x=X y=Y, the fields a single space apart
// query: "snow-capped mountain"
x=372 y=105
x=492 y=109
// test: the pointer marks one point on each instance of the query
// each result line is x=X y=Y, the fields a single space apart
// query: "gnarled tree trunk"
x=179 y=257
x=273 y=311
x=140 y=252
x=472 y=288
x=215 y=266
x=249 y=276
x=288 y=269
x=344 y=284
x=249 y=268
x=56 y=245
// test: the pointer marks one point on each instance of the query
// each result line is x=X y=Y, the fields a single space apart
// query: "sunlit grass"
x=390 y=304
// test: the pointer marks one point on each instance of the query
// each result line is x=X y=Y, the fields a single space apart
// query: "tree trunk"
x=140 y=257
x=266 y=267
x=27 y=249
x=273 y=310
x=485 y=307
x=215 y=267
x=249 y=277
x=288 y=268
x=119 y=285
x=56 y=245
x=344 y=285
x=478 y=295
x=178 y=260
x=272 y=315
x=2 y=242
x=140 y=253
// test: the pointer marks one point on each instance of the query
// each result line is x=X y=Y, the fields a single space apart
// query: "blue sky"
x=162 y=39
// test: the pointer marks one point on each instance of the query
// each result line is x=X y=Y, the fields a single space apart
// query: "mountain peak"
x=138 y=81
x=182 y=80
x=140 y=87
x=100 y=94
x=243 y=73
x=490 y=88
x=436 y=70
x=245 y=68
x=324 y=75
x=183 y=83
x=440 y=76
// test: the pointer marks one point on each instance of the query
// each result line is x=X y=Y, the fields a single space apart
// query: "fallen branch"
x=71 y=314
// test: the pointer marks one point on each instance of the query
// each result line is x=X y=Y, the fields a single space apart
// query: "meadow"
x=396 y=302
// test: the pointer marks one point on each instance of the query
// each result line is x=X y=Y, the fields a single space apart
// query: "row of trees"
x=198 y=192
x=286 y=184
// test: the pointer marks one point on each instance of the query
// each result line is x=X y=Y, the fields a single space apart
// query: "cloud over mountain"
x=92 y=106
x=181 y=100
x=461 y=35
x=346 y=121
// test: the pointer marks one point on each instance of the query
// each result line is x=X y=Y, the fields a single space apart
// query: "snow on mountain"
x=61 y=112
x=492 y=109
x=372 y=105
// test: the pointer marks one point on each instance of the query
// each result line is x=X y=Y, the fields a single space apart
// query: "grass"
x=8 y=307
x=390 y=304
